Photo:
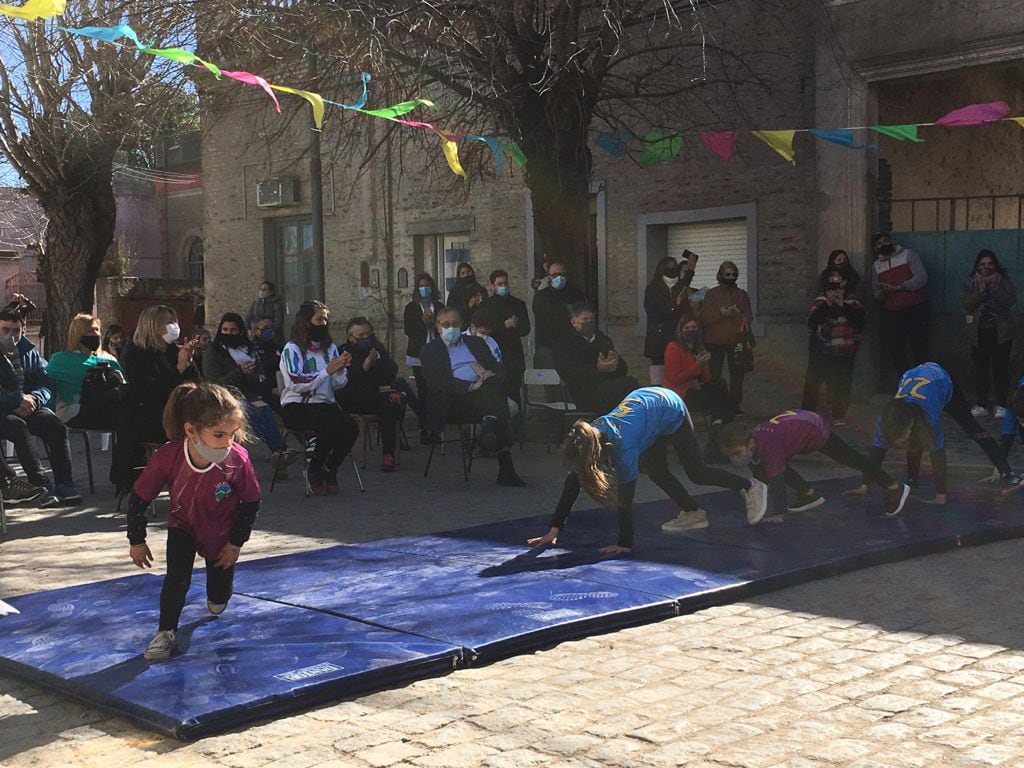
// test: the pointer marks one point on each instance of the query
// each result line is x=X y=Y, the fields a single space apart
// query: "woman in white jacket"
x=313 y=369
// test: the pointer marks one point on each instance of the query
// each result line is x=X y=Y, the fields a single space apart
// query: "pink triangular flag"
x=976 y=114
x=720 y=142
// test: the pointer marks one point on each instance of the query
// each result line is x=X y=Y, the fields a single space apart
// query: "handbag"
x=743 y=352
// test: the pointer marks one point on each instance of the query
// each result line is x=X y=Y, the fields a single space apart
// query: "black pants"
x=488 y=400
x=991 y=357
x=336 y=432
x=181 y=556
x=45 y=424
x=379 y=404
x=421 y=394
x=720 y=354
x=906 y=326
x=840 y=452
x=712 y=398
x=836 y=373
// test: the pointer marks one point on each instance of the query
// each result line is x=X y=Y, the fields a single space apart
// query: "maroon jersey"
x=204 y=502
x=786 y=435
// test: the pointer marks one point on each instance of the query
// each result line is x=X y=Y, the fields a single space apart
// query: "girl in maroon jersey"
x=215 y=497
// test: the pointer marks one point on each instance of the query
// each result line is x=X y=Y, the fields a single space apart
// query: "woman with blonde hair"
x=69 y=368
x=154 y=364
x=604 y=460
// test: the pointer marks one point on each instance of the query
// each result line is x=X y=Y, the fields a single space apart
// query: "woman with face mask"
x=267 y=304
x=155 y=361
x=231 y=362
x=723 y=315
x=666 y=299
x=418 y=324
x=988 y=299
x=466 y=286
x=839 y=261
x=69 y=368
x=312 y=368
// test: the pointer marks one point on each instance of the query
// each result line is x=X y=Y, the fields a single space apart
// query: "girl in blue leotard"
x=605 y=457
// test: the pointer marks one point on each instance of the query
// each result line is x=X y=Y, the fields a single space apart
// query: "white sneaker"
x=977 y=411
x=160 y=646
x=215 y=609
x=802 y=504
x=1000 y=412
x=686 y=521
x=756 y=500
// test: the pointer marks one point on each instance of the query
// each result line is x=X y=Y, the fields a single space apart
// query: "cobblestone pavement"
x=917 y=663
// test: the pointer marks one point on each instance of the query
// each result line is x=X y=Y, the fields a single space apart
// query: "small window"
x=375 y=279
x=196 y=269
x=8 y=255
x=403 y=278
x=364 y=274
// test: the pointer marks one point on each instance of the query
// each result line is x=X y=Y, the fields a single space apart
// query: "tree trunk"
x=78 y=236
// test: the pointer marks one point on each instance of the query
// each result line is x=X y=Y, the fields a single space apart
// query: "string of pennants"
x=657 y=146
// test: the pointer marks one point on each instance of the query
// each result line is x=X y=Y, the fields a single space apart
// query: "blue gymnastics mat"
x=330 y=623
x=258 y=660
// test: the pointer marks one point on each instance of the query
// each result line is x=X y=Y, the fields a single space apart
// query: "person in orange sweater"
x=688 y=374
x=722 y=316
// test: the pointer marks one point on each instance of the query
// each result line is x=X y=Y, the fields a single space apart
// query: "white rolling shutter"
x=715 y=242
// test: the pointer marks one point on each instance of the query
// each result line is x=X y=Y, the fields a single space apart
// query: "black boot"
x=507 y=472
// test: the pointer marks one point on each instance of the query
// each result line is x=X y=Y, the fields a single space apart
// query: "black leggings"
x=843 y=453
x=336 y=432
x=181 y=556
x=991 y=362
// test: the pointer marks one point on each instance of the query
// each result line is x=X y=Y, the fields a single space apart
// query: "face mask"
x=886 y=250
x=231 y=339
x=468 y=279
x=173 y=332
x=364 y=344
x=8 y=344
x=588 y=329
x=266 y=333
x=212 y=455
x=728 y=281
x=318 y=332
x=424 y=291
x=501 y=290
x=558 y=283
x=670 y=281
x=671 y=272
x=450 y=335
x=742 y=461
x=985 y=271
x=691 y=338
x=90 y=342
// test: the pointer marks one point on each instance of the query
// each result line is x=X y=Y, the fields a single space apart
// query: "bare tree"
x=68 y=107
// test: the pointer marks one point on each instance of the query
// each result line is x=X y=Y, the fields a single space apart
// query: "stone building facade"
x=397 y=213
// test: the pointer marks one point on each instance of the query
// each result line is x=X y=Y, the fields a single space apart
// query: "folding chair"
x=88 y=449
x=564 y=409
x=305 y=441
x=467 y=445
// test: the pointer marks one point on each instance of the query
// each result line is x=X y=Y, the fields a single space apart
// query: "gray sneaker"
x=160 y=646
x=16 y=489
x=686 y=521
x=756 y=499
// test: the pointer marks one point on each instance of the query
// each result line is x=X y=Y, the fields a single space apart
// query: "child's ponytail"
x=203 y=405
x=582 y=454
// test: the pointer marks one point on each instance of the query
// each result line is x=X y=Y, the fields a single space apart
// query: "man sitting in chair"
x=466 y=385
x=589 y=365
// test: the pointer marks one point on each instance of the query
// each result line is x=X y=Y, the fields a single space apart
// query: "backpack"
x=97 y=407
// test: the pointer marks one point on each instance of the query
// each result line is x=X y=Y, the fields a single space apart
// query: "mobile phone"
x=688 y=254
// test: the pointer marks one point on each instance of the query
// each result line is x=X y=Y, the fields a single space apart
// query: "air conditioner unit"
x=273 y=193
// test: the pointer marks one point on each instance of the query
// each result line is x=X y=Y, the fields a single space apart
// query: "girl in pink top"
x=215 y=498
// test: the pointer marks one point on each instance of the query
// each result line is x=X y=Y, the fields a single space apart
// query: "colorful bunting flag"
x=250 y=79
x=451 y=154
x=900 y=132
x=841 y=136
x=615 y=144
x=182 y=56
x=34 y=9
x=106 y=34
x=721 y=143
x=1019 y=121
x=975 y=114
x=496 y=149
x=780 y=141
x=361 y=101
x=397 y=110
x=660 y=147
x=516 y=153
x=315 y=100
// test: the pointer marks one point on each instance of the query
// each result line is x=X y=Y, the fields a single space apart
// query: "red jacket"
x=682 y=370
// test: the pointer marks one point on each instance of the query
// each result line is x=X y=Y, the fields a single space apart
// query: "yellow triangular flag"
x=1019 y=121
x=313 y=98
x=34 y=9
x=451 y=154
x=780 y=141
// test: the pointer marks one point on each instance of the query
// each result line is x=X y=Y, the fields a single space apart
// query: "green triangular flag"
x=660 y=147
x=899 y=132
x=513 y=151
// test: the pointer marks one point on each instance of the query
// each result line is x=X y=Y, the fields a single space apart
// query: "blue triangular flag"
x=842 y=136
x=614 y=144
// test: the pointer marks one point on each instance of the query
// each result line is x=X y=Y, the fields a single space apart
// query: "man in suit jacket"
x=513 y=327
x=466 y=383
x=589 y=365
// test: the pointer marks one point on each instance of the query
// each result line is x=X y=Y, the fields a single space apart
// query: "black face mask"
x=468 y=279
x=691 y=338
x=671 y=272
x=91 y=342
x=318 y=333
x=231 y=339
x=728 y=281
x=886 y=250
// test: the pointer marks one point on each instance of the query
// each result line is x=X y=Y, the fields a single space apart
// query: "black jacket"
x=510 y=340
x=458 y=297
x=551 y=313
x=663 y=311
x=414 y=326
x=576 y=363
x=442 y=385
x=364 y=383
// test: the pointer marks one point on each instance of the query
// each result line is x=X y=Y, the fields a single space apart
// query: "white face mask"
x=742 y=461
x=670 y=281
x=173 y=332
x=210 y=454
